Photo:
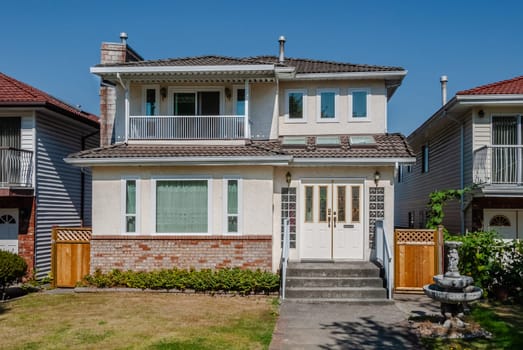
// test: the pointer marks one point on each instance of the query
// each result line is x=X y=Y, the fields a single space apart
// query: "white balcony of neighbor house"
x=498 y=169
x=16 y=168
x=188 y=127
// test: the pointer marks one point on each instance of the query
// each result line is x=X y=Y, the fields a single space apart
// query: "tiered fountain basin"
x=466 y=292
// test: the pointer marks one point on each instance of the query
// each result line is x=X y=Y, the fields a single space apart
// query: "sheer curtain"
x=181 y=206
x=504 y=159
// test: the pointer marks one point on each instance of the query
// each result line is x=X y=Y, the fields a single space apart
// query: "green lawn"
x=505 y=322
x=136 y=321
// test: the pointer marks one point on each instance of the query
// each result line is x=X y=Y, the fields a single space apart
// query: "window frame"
x=235 y=89
x=336 y=118
x=156 y=88
x=194 y=89
x=351 y=104
x=154 y=181
x=239 y=215
x=425 y=155
x=123 y=205
x=303 y=119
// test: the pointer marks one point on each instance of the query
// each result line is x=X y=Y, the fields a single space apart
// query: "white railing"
x=16 y=167
x=384 y=255
x=227 y=127
x=285 y=254
x=498 y=165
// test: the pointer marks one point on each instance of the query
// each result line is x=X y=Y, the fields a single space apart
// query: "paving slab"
x=348 y=326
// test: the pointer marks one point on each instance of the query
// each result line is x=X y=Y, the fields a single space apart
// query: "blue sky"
x=52 y=44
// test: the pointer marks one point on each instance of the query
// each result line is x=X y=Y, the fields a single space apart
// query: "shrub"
x=12 y=268
x=494 y=264
x=222 y=280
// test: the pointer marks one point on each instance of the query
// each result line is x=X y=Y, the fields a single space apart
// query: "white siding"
x=27 y=133
x=58 y=185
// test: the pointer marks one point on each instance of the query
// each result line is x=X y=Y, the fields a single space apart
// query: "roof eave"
x=181 y=69
x=352 y=75
x=369 y=161
x=497 y=99
x=192 y=161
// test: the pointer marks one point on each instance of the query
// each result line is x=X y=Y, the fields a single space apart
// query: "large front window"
x=182 y=206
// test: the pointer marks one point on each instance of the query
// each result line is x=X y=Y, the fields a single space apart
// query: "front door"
x=331 y=222
x=9 y=230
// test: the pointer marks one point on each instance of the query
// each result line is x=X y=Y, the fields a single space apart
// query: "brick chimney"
x=112 y=53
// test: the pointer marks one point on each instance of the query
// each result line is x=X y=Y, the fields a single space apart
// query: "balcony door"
x=506 y=151
x=331 y=226
x=198 y=103
x=9 y=138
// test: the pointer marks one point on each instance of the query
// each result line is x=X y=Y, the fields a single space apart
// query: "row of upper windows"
x=207 y=102
x=327 y=105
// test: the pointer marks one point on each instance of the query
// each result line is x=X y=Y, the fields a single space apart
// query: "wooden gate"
x=71 y=251
x=416 y=258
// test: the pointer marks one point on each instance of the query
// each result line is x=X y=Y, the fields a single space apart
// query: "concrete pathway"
x=346 y=326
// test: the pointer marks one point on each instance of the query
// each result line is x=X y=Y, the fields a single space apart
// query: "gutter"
x=352 y=75
x=352 y=161
x=163 y=161
x=181 y=69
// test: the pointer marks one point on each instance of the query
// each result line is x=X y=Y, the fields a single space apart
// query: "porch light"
x=163 y=92
x=376 y=177
x=481 y=113
x=288 y=178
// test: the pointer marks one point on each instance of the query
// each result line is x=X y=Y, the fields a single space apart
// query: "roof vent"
x=282 y=49
x=443 y=81
x=123 y=37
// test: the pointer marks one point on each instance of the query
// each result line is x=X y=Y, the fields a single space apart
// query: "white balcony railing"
x=226 y=127
x=498 y=165
x=16 y=167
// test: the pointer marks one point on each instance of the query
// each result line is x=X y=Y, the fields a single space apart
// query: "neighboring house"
x=474 y=140
x=202 y=159
x=38 y=189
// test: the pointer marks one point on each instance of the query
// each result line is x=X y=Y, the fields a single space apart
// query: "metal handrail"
x=285 y=254
x=498 y=165
x=384 y=255
x=16 y=166
x=169 y=127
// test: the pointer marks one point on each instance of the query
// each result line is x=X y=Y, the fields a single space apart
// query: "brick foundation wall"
x=145 y=253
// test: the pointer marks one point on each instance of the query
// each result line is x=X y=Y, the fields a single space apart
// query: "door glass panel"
x=341 y=203
x=184 y=103
x=355 y=190
x=309 y=202
x=323 y=204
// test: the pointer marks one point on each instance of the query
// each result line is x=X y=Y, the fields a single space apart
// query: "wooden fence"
x=70 y=255
x=417 y=257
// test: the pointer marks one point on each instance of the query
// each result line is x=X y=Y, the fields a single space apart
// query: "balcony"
x=16 y=167
x=222 y=127
x=498 y=165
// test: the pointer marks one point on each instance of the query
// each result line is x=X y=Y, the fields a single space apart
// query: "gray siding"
x=412 y=194
x=58 y=185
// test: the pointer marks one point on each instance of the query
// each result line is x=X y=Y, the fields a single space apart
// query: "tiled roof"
x=302 y=65
x=387 y=146
x=15 y=93
x=506 y=87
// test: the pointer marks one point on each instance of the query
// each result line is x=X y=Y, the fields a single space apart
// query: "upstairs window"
x=193 y=103
x=425 y=159
x=327 y=101
x=359 y=104
x=296 y=108
x=239 y=101
x=150 y=97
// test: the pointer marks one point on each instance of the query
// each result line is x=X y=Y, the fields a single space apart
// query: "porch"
x=202 y=127
x=16 y=167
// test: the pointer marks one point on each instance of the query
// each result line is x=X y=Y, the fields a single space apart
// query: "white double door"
x=9 y=230
x=332 y=220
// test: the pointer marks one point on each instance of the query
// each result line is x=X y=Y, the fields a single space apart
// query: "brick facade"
x=146 y=253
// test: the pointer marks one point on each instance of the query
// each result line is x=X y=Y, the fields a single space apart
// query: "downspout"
x=82 y=179
x=126 y=89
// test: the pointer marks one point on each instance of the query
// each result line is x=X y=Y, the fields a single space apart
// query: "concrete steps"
x=336 y=282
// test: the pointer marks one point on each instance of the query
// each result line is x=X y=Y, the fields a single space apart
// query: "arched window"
x=499 y=220
x=7 y=219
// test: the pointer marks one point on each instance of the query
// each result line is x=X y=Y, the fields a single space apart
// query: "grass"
x=155 y=321
x=505 y=322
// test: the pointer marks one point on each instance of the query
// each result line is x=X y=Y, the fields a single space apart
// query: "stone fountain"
x=452 y=289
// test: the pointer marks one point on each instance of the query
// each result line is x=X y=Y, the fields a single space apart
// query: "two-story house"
x=202 y=159
x=38 y=189
x=474 y=140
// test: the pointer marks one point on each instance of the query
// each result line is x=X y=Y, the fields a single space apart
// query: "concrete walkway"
x=346 y=326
